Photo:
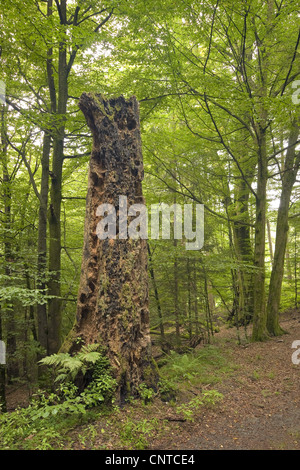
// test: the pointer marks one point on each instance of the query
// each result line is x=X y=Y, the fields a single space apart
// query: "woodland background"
x=219 y=109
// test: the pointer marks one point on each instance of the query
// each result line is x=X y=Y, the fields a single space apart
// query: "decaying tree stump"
x=112 y=306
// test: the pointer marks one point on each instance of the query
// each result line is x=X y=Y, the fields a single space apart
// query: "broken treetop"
x=116 y=144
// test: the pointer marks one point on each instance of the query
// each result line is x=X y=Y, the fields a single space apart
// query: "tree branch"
x=291 y=65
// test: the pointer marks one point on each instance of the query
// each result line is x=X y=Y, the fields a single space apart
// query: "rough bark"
x=113 y=293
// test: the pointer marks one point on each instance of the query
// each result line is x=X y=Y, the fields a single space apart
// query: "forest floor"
x=260 y=409
x=261 y=405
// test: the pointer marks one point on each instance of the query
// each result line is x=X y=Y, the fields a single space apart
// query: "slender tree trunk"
x=2 y=376
x=54 y=306
x=295 y=270
x=270 y=241
x=234 y=314
x=159 y=312
x=291 y=167
x=243 y=247
x=261 y=124
x=176 y=283
x=288 y=262
x=189 y=304
x=42 y=309
x=30 y=319
x=176 y=300
x=9 y=312
x=196 y=300
x=208 y=312
x=211 y=298
x=54 y=288
x=2 y=366
x=259 y=320
x=42 y=245
x=278 y=265
x=113 y=292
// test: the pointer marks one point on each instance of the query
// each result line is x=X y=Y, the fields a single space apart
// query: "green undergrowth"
x=53 y=412
x=19 y=430
x=136 y=434
x=68 y=417
x=209 y=365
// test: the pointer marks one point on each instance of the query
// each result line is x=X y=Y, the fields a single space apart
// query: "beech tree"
x=61 y=30
x=233 y=91
x=219 y=127
x=288 y=176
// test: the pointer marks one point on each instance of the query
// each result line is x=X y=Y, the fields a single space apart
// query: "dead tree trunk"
x=113 y=294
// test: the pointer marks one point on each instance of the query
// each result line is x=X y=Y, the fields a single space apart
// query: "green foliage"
x=208 y=398
x=21 y=294
x=167 y=389
x=102 y=386
x=43 y=425
x=75 y=405
x=147 y=394
x=205 y=366
x=22 y=428
x=89 y=436
x=136 y=435
x=200 y=73
x=19 y=431
x=67 y=367
x=89 y=359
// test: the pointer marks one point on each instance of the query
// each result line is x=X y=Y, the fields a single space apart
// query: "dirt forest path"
x=261 y=405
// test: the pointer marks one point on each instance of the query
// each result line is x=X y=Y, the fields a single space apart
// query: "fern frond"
x=89 y=348
x=71 y=363
x=61 y=377
x=54 y=359
x=89 y=357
